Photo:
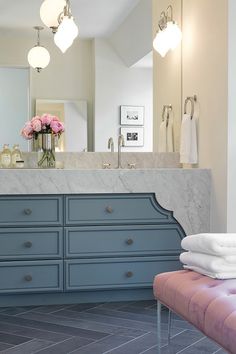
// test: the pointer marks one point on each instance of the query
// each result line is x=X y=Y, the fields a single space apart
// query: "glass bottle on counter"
x=5 y=158
x=15 y=155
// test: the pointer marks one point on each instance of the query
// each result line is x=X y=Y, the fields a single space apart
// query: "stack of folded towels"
x=213 y=255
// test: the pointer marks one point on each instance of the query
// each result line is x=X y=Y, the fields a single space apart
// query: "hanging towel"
x=169 y=135
x=188 y=140
x=215 y=244
x=162 y=141
x=208 y=262
x=215 y=275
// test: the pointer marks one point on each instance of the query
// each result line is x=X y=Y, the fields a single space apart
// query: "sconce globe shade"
x=50 y=10
x=173 y=34
x=160 y=43
x=62 y=42
x=38 y=57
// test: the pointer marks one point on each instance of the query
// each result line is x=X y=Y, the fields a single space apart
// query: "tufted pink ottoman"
x=208 y=304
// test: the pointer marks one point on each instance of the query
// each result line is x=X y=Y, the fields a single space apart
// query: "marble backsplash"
x=99 y=160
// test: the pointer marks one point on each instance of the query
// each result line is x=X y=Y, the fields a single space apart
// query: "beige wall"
x=68 y=76
x=167 y=75
x=205 y=74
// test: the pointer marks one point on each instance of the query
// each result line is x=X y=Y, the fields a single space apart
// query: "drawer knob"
x=28 y=244
x=130 y=241
x=109 y=209
x=28 y=277
x=27 y=211
x=129 y=274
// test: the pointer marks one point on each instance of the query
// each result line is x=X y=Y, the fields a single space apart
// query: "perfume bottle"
x=15 y=155
x=6 y=157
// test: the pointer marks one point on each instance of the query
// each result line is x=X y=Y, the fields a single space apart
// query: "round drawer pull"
x=129 y=274
x=28 y=244
x=109 y=209
x=27 y=211
x=129 y=241
x=28 y=277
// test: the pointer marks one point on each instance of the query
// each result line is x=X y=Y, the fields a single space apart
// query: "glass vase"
x=46 y=157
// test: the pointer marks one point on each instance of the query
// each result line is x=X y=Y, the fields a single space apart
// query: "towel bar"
x=192 y=100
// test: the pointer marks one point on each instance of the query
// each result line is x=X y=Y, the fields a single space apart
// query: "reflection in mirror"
x=14 y=105
x=74 y=116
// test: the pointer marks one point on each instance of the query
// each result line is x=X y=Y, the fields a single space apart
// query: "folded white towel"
x=162 y=138
x=188 y=140
x=170 y=135
x=209 y=262
x=215 y=244
x=215 y=275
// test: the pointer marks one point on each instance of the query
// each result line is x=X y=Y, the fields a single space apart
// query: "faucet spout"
x=121 y=142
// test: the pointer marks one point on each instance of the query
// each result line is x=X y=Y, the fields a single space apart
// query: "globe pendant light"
x=67 y=30
x=38 y=56
x=50 y=11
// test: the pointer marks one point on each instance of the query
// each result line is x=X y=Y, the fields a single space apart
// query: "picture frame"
x=133 y=136
x=132 y=115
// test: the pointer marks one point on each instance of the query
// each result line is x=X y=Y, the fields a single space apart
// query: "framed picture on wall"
x=131 y=115
x=133 y=136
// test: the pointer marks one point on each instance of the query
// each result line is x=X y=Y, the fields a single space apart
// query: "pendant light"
x=67 y=29
x=38 y=56
x=50 y=11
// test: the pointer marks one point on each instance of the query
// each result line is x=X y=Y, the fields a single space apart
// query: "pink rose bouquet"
x=47 y=123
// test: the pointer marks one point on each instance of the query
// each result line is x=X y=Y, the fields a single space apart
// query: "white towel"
x=216 y=275
x=170 y=136
x=215 y=244
x=162 y=139
x=208 y=262
x=188 y=140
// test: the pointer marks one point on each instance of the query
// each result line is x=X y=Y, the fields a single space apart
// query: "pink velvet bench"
x=208 y=304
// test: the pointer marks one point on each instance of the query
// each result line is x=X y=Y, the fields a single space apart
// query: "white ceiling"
x=95 y=18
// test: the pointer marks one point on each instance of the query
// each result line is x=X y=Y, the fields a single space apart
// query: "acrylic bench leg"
x=158 y=327
x=169 y=325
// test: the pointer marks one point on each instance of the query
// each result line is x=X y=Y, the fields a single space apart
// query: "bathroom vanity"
x=82 y=236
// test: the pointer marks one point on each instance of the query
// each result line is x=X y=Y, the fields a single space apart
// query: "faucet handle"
x=106 y=166
x=121 y=140
x=132 y=165
x=111 y=144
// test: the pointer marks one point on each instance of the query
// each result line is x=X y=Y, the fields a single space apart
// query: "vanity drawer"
x=114 y=273
x=104 y=241
x=28 y=277
x=31 y=243
x=30 y=211
x=110 y=209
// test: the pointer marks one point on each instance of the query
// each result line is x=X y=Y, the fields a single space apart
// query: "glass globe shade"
x=38 y=57
x=174 y=34
x=160 y=43
x=62 y=41
x=68 y=27
x=50 y=10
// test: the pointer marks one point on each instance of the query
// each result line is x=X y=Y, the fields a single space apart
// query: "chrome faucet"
x=121 y=142
x=111 y=144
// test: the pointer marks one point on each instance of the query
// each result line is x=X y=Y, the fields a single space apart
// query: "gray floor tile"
x=84 y=307
x=4 y=346
x=9 y=338
x=204 y=346
x=52 y=327
x=136 y=346
x=66 y=346
x=29 y=347
x=50 y=308
x=102 y=346
x=16 y=310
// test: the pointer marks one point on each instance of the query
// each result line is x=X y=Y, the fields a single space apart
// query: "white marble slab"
x=185 y=192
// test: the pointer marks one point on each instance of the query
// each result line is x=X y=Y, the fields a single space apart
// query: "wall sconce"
x=57 y=15
x=169 y=34
x=38 y=56
x=67 y=29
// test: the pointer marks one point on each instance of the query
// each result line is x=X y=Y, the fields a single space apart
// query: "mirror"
x=106 y=72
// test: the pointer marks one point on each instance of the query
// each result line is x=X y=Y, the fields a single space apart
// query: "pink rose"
x=57 y=127
x=36 y=124
x=55 y=118
x=46 y=119
x=27 y=131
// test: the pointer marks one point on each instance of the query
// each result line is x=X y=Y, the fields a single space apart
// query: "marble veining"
x=186 y=192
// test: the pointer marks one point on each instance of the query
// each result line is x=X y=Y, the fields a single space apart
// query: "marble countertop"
x=184 y=191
